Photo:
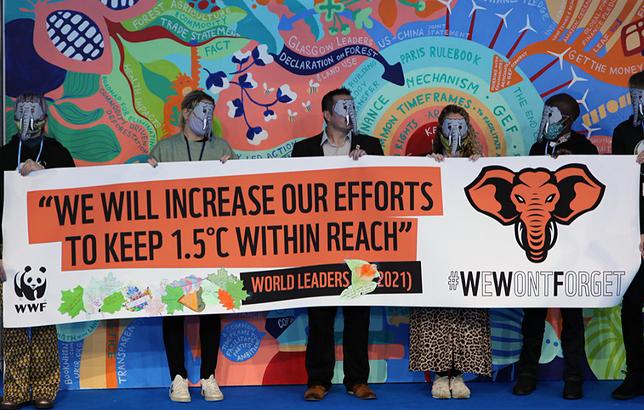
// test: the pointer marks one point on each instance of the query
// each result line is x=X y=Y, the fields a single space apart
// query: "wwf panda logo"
x=30 y=284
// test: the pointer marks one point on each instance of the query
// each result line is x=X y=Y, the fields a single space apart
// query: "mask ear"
x=580 y=192
x=490 y=194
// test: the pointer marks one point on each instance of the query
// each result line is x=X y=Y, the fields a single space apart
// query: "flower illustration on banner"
x=364 y=277
x=260 y=57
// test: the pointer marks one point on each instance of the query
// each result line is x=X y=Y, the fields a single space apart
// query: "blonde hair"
x=470 y=146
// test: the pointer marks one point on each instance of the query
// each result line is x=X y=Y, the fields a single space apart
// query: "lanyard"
x=42 y=140
x=203 y=145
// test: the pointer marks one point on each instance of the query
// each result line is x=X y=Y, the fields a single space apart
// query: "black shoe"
x=43 y=403
x=631 y=387
x=572 y=390
x=9 y=405
x=525 y=385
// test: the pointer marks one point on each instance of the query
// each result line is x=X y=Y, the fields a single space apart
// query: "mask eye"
x=520 y=199
x=550 y=198
x=28 y=280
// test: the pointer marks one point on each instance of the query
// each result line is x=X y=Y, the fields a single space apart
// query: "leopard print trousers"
x=444 y=339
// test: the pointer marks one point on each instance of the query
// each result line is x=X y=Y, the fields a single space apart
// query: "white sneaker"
x=440 y=388
x=210 y=390
x=179 y=390
x=459 y=389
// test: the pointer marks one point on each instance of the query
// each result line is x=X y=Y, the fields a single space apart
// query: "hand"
x=224 y=159
x=28 y=166
x=153 y=162
x=640 y=158
x=642 y=246
x=437 y=157
x=3 y=274
x=357 y=153
x=474 y=157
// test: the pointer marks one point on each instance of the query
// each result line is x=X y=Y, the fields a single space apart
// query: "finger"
x=224 y=159
x=153 y=162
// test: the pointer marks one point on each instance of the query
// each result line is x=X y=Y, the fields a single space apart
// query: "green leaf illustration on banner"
x=605 y=343
x=72 y=302
x=209 y=294
x=94 y=144
x=80 y=85
x=74 y=115
x=171 y=299
x=235 y=287
x=220 y=278
x=113 y=303
x=363 y=274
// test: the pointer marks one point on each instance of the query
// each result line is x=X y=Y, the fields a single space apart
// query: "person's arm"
x=641 y=191
x=154 y=157
x=617 y=143
x=592 y=149
x=66 y=160
x=534 y=149
x=377 y=149
x=297 y=150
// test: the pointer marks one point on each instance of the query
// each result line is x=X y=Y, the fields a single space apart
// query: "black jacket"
x=577 y=144
x=625 y=139
x=311 y=147
x=53 y=155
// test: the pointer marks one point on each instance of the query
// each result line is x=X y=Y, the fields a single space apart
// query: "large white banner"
x=191 y=238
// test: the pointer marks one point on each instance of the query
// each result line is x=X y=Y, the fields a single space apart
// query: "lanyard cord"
x=42 y=140
x=203 y=146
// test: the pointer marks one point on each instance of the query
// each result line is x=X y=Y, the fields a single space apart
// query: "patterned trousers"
x=30 y=363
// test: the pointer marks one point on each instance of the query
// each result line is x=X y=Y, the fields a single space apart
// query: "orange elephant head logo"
x=535 y=200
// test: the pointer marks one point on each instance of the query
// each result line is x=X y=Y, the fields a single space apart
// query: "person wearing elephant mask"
x=194 y=142
x=628 y=139
x=556 y=137
x=451 y=341
x=31 y=363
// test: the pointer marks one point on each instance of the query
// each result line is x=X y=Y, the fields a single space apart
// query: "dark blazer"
x=311 y=147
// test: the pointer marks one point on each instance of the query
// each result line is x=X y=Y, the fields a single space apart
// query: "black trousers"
x=632 y=326
x=173 y=339
x=572 y=342
x=320 y=348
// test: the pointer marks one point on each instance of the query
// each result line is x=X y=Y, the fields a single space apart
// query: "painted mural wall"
x=115 y=71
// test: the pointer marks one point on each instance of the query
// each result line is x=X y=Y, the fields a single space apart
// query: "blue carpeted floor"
x=390 y=397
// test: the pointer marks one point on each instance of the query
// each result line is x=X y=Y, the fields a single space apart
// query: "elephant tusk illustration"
x=552 y=234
